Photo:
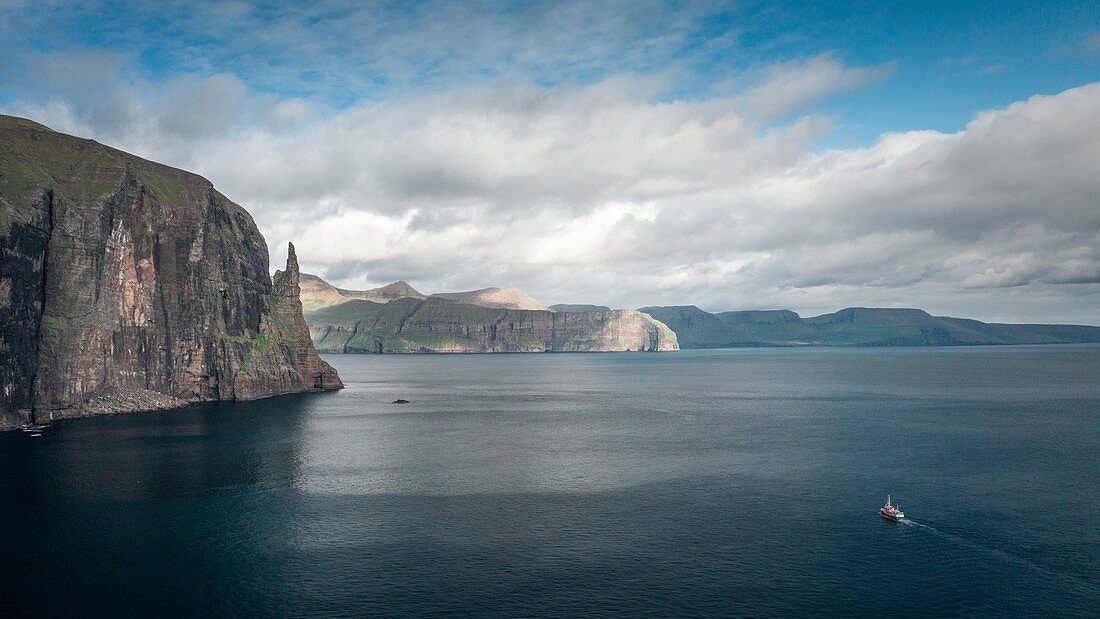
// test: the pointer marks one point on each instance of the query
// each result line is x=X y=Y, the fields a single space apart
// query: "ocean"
x=738 y=482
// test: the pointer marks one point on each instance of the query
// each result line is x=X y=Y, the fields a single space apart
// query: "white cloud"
x=596 y=193
x=793 y=86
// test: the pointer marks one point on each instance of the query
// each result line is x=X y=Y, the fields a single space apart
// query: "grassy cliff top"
x=34 y=158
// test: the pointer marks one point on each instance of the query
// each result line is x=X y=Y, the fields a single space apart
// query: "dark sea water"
x=700 y=483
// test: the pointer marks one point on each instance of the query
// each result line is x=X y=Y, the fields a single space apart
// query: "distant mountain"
x=700 y=329
x=440 y=323
x=579 y=307
x=396 y=290
x=317 y=293
x=502 y=298
x=855 y=326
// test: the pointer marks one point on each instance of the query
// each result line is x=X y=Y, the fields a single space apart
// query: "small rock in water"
x=399 y=401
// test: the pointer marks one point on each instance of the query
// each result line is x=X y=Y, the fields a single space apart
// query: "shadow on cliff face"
x=128 y=285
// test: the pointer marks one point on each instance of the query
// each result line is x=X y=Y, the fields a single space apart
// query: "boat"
x=890 y=512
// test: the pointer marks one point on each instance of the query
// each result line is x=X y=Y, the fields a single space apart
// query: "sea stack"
x=128 y=285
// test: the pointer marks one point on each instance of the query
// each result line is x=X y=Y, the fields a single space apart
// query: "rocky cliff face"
x=437 y=325
x=579 y=307
x=129 y=285
x=281 y=358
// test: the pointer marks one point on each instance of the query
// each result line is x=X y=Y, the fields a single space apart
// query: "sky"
x=731 y=155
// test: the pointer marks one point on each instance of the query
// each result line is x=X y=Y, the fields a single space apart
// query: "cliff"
x=281 y=358
x=579 y=307
x=854 y=326
x=398 y=319
x=698 y=329
x=438 y=325
x=128 y=285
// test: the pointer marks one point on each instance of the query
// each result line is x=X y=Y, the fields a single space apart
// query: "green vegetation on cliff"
x=436 y=324
x=579 y=307
x=128 y=284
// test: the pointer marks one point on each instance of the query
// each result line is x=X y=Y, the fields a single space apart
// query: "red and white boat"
x=891 y=512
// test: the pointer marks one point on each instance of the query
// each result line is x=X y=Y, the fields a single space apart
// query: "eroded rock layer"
x=129 y=282
x=437 y=325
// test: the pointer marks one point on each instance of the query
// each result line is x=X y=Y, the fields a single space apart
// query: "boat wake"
x=1003 y=555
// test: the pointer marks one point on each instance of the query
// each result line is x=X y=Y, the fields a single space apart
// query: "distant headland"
x=398 y=318
x=477 y=321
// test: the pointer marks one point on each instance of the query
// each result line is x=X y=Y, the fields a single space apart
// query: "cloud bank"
x=612 y=190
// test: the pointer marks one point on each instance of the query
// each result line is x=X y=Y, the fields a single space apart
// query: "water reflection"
x=513 y=423
x=203 y=448
x=575 y=485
